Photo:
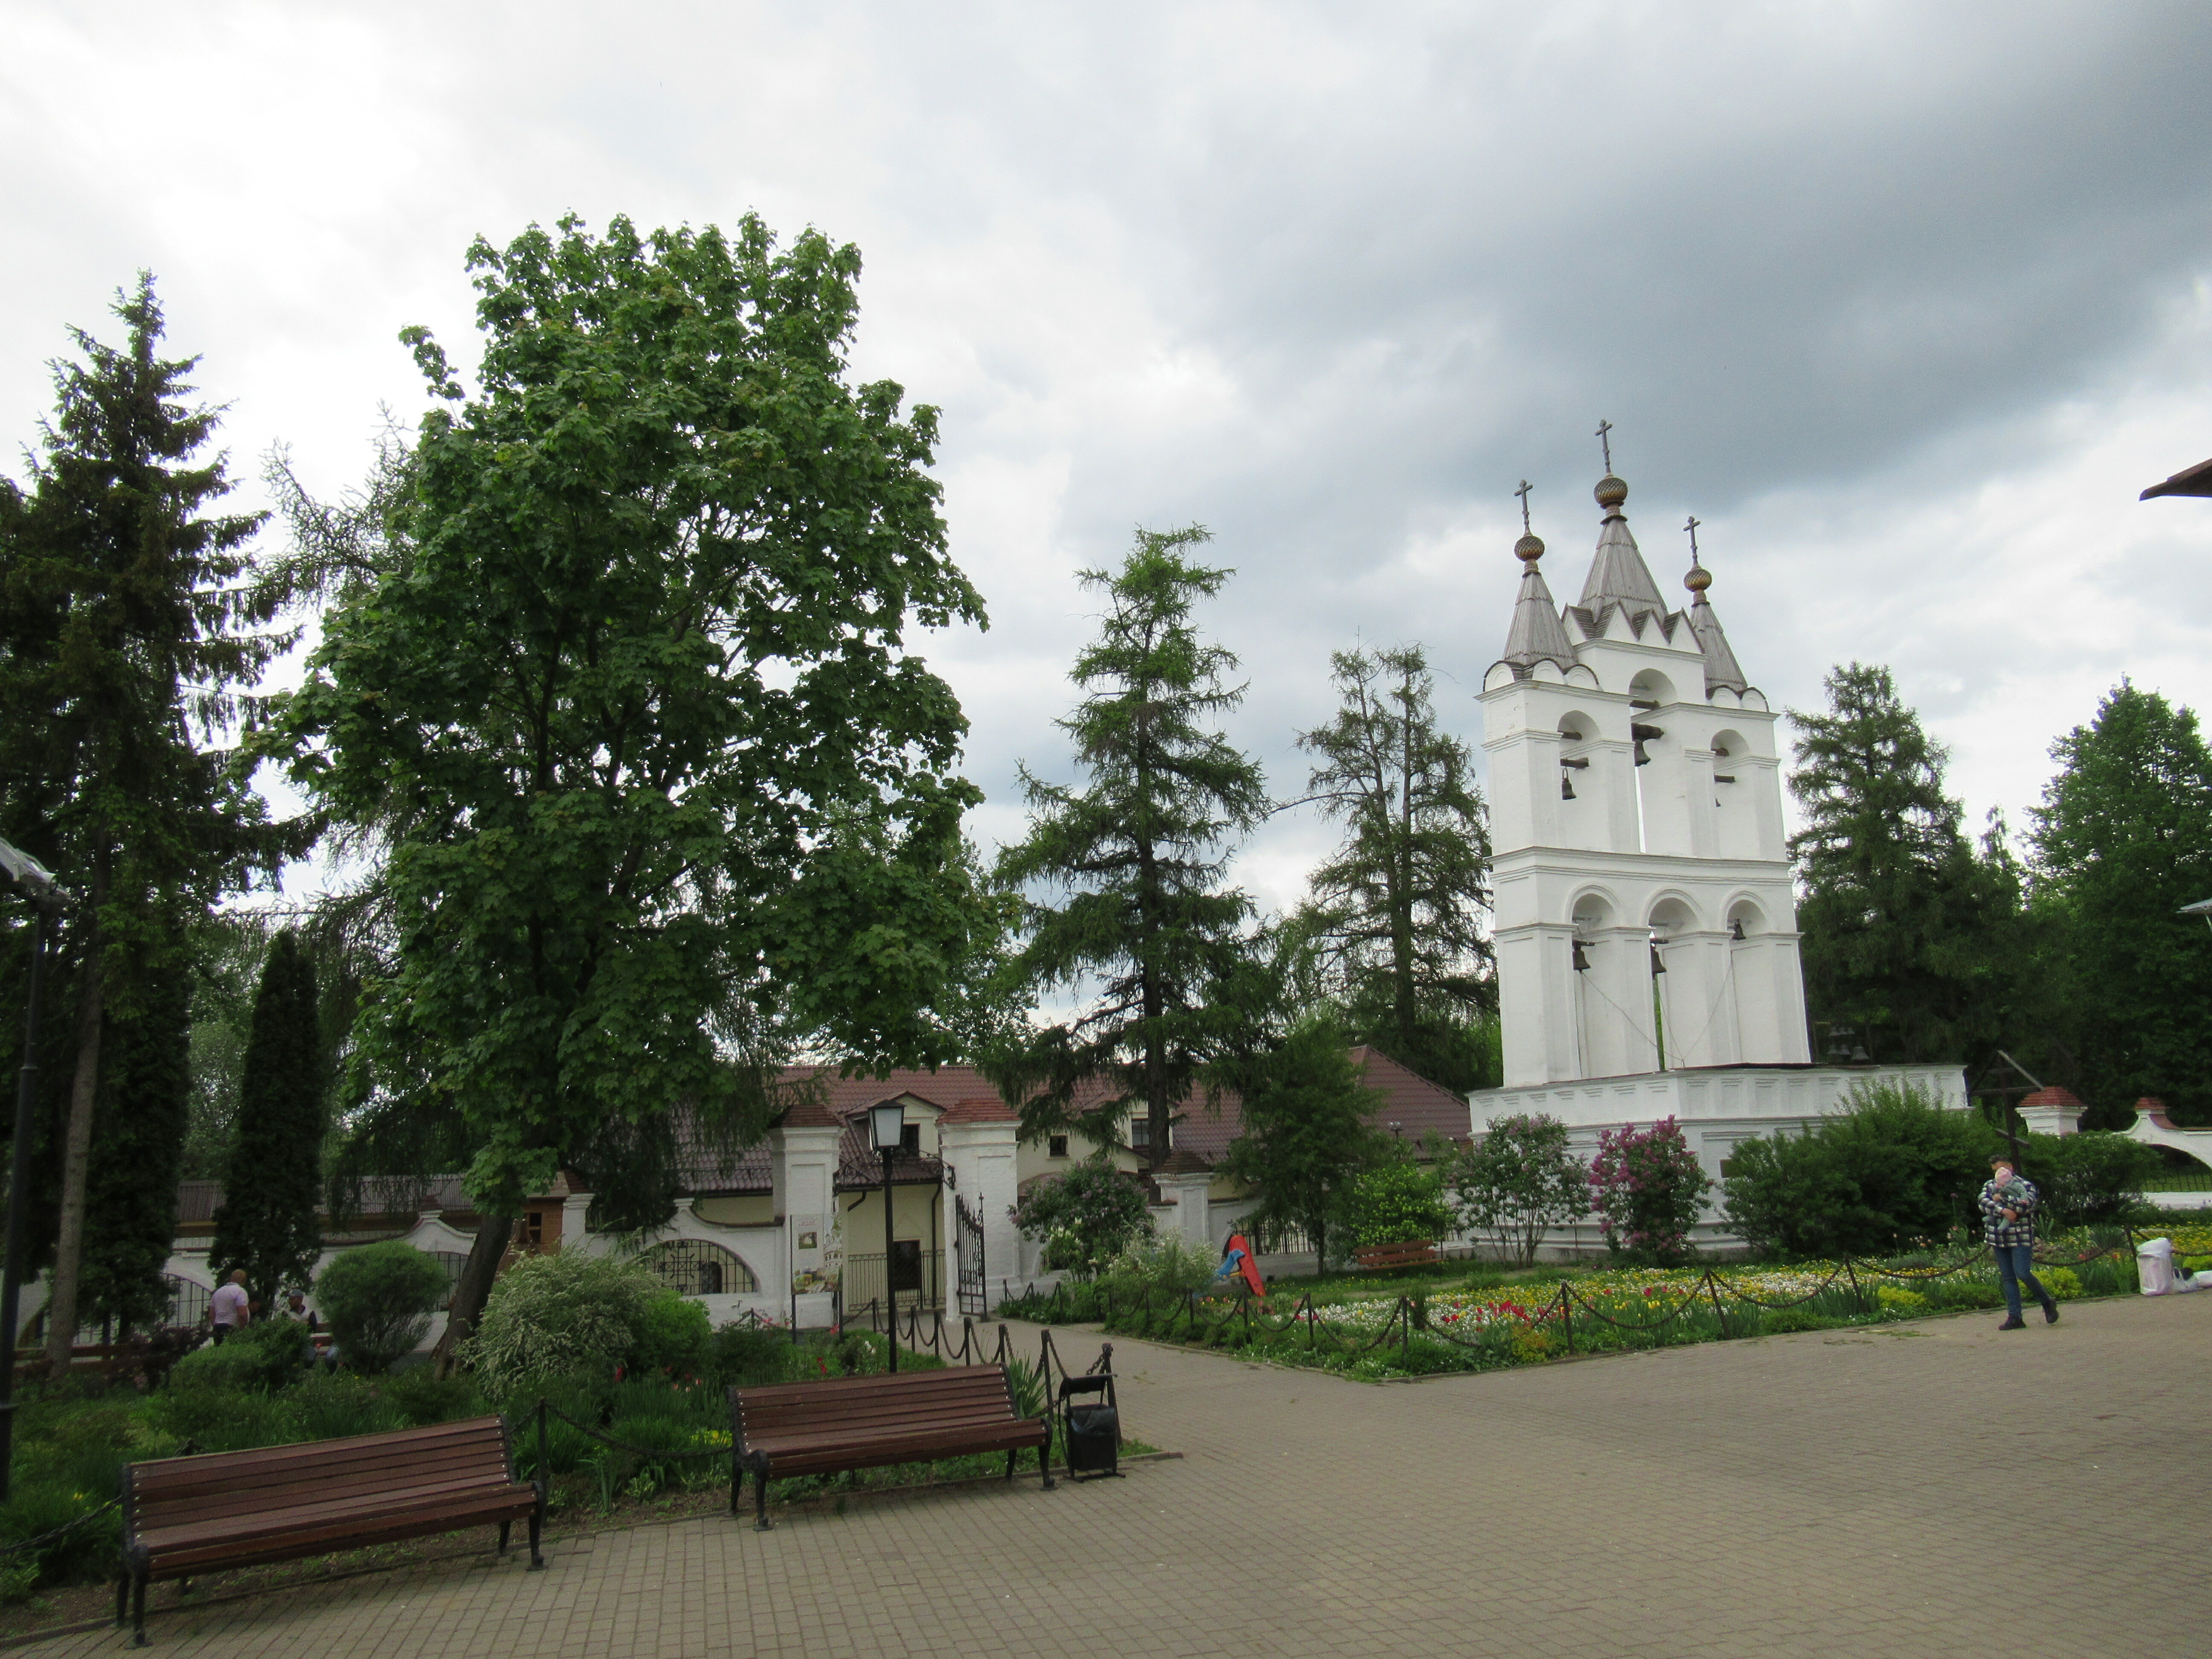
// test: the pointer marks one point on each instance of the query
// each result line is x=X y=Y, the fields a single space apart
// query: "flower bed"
x=1462 y=1327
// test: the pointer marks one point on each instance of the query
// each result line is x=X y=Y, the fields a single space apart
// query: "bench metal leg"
x=122 y=1597
x=506 y=1530
x=139 y=1606
x=1011 y=1455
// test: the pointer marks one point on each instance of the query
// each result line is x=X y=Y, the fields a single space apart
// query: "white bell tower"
x=1645 y=921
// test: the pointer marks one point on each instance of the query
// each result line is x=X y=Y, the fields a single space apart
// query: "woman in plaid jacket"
x=2008 y=1222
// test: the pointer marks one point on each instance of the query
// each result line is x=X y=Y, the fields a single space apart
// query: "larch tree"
x=272 y=1181
x=1913 y=934
x=2122 y=841
x=634 y=718
x=1400 y=909
x=1147 y=932
x=130 y=619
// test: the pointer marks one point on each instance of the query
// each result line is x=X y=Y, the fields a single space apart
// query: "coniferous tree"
x=267 y=1224
x=127 y=620
x=137 y=1152
x=2122 y=840
x=1149 y=919
x=1912 y=934
x=1398 y=910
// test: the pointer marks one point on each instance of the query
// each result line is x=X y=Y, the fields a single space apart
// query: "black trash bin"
x=1091 y=1426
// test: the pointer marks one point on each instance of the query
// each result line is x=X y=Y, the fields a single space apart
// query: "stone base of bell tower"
x=1716 y=1106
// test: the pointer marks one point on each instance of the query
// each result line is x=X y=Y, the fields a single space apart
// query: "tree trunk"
x=76 y=1151
x=494 y=1234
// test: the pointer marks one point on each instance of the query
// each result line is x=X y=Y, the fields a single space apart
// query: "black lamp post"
x=887 y=1128
x=31 y=879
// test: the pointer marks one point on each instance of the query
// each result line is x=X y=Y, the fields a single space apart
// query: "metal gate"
x=968 y=1241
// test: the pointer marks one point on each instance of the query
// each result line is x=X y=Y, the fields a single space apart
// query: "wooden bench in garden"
x=864 y=1422
x=183 y=1516
x=1414 y=1253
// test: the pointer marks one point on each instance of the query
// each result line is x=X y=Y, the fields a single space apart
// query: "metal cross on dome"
x=1605 y=437
x=1693 y=528
x=1523 y=493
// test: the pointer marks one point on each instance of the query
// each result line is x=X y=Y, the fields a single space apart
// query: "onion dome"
x=1529 y=547
x=1611 y=492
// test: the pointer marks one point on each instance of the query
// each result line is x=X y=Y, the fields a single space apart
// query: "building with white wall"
x=1645 y=920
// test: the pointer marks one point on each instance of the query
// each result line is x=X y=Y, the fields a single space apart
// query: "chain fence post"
x=1720 y=1314
x=1857 y=1295
x=1566 y=1316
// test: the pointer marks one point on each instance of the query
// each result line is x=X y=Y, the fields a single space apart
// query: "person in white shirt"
x=228 y=1308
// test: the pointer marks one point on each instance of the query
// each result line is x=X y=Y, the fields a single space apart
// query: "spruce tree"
x=2122 y=840
x=1912 y=934
x=129 y=618
x=1149 y=924
x=1398 y=910
x=267 y=1224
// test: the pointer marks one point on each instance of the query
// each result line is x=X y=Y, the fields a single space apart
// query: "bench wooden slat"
x=863 y=1422
x=187 y=1515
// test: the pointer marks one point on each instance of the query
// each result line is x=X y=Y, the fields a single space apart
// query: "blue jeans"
x=2015 y=1268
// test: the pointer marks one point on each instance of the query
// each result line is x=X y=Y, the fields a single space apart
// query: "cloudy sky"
x=1906 y=302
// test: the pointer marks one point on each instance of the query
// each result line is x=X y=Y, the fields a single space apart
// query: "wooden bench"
x=863 y=1422
x=1413 y=1253
x=186 y=1516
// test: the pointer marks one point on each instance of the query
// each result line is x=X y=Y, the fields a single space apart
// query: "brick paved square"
x=1934 y=1488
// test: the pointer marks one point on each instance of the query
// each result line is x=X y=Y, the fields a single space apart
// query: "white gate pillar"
x=977 y=1139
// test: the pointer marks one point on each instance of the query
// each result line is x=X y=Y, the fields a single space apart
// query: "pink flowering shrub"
x=1649 y=1191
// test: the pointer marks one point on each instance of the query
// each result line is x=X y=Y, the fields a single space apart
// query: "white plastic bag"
x=2154 y=1267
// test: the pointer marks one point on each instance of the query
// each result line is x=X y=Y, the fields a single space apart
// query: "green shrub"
x=331 y=1407
x=1395 y=1201
x=2091 y=1180
x=223 y=1419
x=673 y=1335
x=379 y=1299
x=1085 y=1217
x=1964 y=1293
x=422 y=1397
x=256 y=1358
x=1894 y=1168
x=1159 y=1267
x=1780 y=1321
x=558 y=1315
x=750 y=1356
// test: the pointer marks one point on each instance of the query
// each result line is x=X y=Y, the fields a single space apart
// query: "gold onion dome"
x=1698 y=580
x=1611 y=492
x=1528 y=548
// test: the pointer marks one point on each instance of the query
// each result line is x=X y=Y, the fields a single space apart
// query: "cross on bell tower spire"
x=1523 y=493
x=1604 y=438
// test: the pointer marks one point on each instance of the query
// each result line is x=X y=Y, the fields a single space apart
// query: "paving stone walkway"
x=1931 y=1489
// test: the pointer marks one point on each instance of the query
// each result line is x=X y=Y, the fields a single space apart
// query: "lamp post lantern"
x=887 y=1129
x=32 y=878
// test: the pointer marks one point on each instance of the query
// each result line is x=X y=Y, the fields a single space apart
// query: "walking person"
x=228 y=1307
x=2009 y=1202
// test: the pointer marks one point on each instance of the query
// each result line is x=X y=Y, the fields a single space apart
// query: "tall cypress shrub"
x=137 y=1155
x=267 y=1224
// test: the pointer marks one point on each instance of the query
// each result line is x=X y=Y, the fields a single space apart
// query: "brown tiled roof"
x=962 y=1095
x=1183 y=1161
x=2051 y=1097
x=981 y=1110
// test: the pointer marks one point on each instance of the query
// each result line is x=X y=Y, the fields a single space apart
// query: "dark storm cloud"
x=1906 y=301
